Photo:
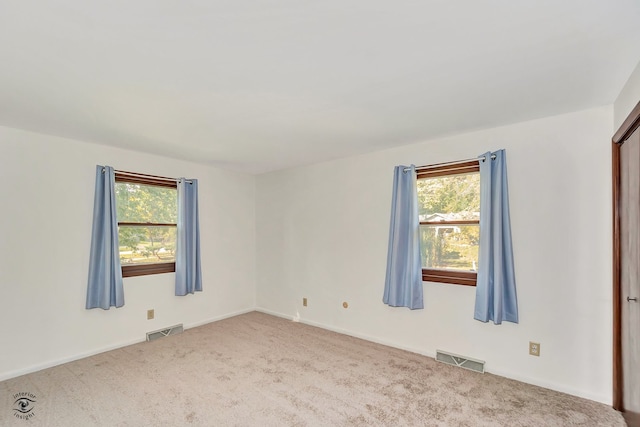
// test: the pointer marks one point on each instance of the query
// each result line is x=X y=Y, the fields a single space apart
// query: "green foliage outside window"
x=146 y=204
x=444 y=199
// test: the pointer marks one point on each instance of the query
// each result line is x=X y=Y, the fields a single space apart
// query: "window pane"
x=452 y=247
x=141 y=245
x=449 y=198
x=146 y=203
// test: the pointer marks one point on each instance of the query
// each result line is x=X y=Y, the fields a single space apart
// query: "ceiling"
x=261 y=85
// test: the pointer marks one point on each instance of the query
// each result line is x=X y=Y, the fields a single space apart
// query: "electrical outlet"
x=304 y=302
x=150 y=314
x=534 y=348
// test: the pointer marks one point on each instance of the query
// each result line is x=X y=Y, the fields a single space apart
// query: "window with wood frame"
x=449 y=212
x=147 y=211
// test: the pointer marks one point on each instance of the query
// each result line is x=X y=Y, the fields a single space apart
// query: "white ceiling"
x=260 y=85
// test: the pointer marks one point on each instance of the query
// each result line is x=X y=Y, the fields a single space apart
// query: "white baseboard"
x=56 y=362
x=217 y=318
x=60 y=361
x=606 y=399
x=347 y=332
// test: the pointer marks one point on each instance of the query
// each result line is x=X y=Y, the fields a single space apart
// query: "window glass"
x=451 y=247
x=147 y=217
x=455 y=195
x=146 y=203
x=449 y=212
x=148 y=244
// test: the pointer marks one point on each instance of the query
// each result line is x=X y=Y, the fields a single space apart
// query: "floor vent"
x=461 y=361
x=171 y=330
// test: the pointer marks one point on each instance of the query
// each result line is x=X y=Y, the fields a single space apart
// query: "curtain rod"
x=142 y=175
x=457 y=162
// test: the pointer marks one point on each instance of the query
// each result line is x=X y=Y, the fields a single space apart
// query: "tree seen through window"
x=147 y=217
x=449 y=213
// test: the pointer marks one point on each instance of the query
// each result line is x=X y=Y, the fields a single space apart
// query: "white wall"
x=322 y=233
x=47 y=202
x=628 y=98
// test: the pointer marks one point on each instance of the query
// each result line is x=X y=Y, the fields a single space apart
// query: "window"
x=449 y=212
x=147 y=210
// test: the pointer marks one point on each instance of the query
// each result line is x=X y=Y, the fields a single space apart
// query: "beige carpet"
x=260 y=370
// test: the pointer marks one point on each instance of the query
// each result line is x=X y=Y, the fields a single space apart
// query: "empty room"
x=332 y=213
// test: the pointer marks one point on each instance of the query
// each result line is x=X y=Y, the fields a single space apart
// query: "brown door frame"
x=629 y=126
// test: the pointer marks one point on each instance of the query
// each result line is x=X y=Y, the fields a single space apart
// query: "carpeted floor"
x=260 y=370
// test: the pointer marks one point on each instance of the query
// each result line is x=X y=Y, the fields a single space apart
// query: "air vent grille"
x=171 y=330
x=461 y=361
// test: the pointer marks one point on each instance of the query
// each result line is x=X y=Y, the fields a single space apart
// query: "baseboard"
x=49 y=364
x=606 y=399
x=218 y=318
x=348 y=332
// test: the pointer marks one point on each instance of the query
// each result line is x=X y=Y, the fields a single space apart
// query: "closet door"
x=629 y=205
